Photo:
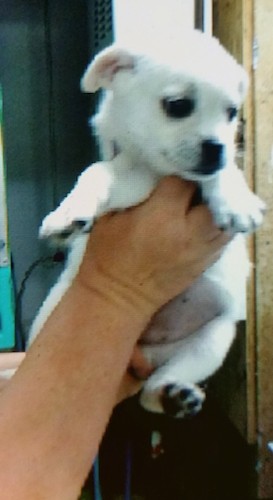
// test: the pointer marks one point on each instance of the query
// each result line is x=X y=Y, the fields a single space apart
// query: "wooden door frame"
x=245 y=28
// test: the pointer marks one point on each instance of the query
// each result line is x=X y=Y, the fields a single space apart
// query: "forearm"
x=54 y=411
x=59 y=429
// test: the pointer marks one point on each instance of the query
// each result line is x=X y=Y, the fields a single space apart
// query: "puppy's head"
x=172 y=106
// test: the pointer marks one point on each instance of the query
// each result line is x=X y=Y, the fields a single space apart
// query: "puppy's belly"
x=186 y=313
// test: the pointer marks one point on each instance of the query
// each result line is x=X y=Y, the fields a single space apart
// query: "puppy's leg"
x=101 y=188
x=77 y=211
x=172 y=388
x=61 y=286
x=231 y=202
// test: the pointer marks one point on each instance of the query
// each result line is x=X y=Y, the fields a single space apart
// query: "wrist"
x=117 y=294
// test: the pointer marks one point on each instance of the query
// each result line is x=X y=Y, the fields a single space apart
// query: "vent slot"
x=102 y=24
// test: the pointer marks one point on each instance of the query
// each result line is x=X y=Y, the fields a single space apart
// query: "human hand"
x=133 y=379
x=143 y=257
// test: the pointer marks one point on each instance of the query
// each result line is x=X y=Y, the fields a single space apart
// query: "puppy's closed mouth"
x=199 y=174
x=209 y=170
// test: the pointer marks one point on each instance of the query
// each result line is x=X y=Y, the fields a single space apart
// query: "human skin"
x=54 y=411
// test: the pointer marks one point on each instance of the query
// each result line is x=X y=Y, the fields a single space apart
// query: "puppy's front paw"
x=61 y=228
x=175 y=399
x=242 y=215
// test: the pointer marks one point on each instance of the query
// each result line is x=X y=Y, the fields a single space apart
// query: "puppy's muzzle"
x=213 y=157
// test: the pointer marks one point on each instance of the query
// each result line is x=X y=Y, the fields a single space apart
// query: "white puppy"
x=168 y=111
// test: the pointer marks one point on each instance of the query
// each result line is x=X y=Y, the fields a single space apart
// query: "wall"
x=44 y=50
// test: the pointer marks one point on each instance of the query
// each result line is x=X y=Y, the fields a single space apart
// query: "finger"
x=174 y=188
x=220 y=240
x=202 y=221
x=139 y=366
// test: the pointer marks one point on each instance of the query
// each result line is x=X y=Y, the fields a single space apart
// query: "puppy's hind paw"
x=175 y=399
x=182 y=401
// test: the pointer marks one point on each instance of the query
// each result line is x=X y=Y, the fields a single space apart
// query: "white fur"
x=140 y=144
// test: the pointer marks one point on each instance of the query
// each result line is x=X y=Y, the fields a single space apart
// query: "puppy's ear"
x=101 y=71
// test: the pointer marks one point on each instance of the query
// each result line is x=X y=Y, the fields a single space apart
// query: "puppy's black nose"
x=213 y=156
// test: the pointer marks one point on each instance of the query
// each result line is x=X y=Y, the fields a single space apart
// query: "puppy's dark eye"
x=231 y=113
x=178 y=108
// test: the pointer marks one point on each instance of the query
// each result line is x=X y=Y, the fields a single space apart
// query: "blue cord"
x=96 y=476
x=128 y=475
x=128 y=472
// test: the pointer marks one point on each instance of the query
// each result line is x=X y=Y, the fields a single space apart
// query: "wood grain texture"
x=264 y=183
x=249 y=171
x=227 y=25
x=233 y=25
